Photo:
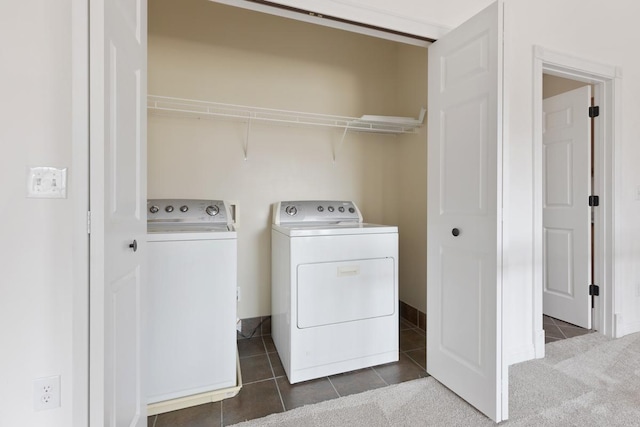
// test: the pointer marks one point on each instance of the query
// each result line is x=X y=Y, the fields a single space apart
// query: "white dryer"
x=334 y=289
x=191 y=314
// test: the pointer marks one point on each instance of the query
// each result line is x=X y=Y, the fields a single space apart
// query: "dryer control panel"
x=316 y=212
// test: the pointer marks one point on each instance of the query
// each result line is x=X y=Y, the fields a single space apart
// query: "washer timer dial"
x=291 y=210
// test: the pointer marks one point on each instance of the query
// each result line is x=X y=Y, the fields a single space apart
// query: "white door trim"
x=80 y=195
x=607 y=82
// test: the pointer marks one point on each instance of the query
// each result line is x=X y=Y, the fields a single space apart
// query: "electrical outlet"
x=46 y=393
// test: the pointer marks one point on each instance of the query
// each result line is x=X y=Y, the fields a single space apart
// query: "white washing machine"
x=190 y=323
x=334 y=289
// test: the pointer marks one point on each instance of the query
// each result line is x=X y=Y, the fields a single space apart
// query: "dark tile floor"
x=555 y=330
x=266 y=389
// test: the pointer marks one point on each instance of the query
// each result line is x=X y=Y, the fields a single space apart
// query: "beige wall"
x=554 y=85
x=207 y=51
x=412 y=179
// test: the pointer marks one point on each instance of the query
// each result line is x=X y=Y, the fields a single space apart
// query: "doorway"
x=601 y=83
x=568 y=141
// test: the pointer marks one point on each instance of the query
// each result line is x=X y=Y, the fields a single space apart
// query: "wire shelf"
x=163 y=105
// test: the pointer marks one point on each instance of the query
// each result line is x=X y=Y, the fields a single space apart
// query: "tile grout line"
x=334 y=387
x=559 y=328
x=273 y=372
x=284 y=409
x=415 y=362
x=268 y=358
x=380 y=376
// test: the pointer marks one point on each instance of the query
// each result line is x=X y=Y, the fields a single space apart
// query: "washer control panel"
x=316 y=211
x=190 y=211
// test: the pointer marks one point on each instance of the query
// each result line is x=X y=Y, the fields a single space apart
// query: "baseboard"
x=538 y=344
x=254 y=327
x=520 y=354
x=413 y=315
x=626 y=328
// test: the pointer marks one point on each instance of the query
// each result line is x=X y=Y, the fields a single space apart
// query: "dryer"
x=334 y=289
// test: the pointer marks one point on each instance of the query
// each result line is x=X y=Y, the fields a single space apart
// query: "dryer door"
x=345 y=291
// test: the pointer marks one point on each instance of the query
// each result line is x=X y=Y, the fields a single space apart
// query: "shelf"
x=163 y=105
x=194 y=108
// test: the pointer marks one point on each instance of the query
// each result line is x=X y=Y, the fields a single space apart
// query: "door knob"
x=134 y=245
x=455 y=232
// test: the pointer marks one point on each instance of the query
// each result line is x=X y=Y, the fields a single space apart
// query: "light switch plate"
x=47 y=182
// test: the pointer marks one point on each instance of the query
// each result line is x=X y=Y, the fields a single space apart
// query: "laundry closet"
x=199 y=50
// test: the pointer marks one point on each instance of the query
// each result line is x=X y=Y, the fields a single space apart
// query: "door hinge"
x=594 y=111
x=88 y=222
x=594 y=201
x=594 y=290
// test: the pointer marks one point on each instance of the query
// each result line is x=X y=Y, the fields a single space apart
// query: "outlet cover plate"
x=46 y=393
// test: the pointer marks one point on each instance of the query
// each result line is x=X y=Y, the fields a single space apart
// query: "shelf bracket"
x=339 y=146
x=246 y=139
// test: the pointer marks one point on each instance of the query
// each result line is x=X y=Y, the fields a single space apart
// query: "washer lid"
x=182 y=232
x=336 y=229
x=178 y=227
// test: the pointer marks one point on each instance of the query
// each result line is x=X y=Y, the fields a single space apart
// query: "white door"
x=464 y=287
x=566 y=214
x=117 y=106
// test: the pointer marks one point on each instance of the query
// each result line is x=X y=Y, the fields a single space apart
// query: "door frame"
x=80 y=185
x=606 y=80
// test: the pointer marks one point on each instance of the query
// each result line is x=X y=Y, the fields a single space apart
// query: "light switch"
x=47 y=182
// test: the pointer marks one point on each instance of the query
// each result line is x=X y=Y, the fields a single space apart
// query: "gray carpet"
x=584 y=381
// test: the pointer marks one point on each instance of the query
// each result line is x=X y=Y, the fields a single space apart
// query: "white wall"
x=555 y=25
x=36 y=266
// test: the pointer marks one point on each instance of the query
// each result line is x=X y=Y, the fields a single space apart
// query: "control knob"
x=184 y=208
x=352 y=210
x=169 y=209
x=154 y=209
x=341 y=208
x=291 y=210
x=320 y=209
x=330 y=209
x=212 y=210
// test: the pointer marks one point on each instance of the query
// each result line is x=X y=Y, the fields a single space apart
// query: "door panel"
x=118 y=200
x=461 y=296
x=125 y=312
x=464 y=155
x=464 y=299
x=566 y=215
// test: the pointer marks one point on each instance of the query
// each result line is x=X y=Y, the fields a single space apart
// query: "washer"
x=334 y=289
x=192 y=269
